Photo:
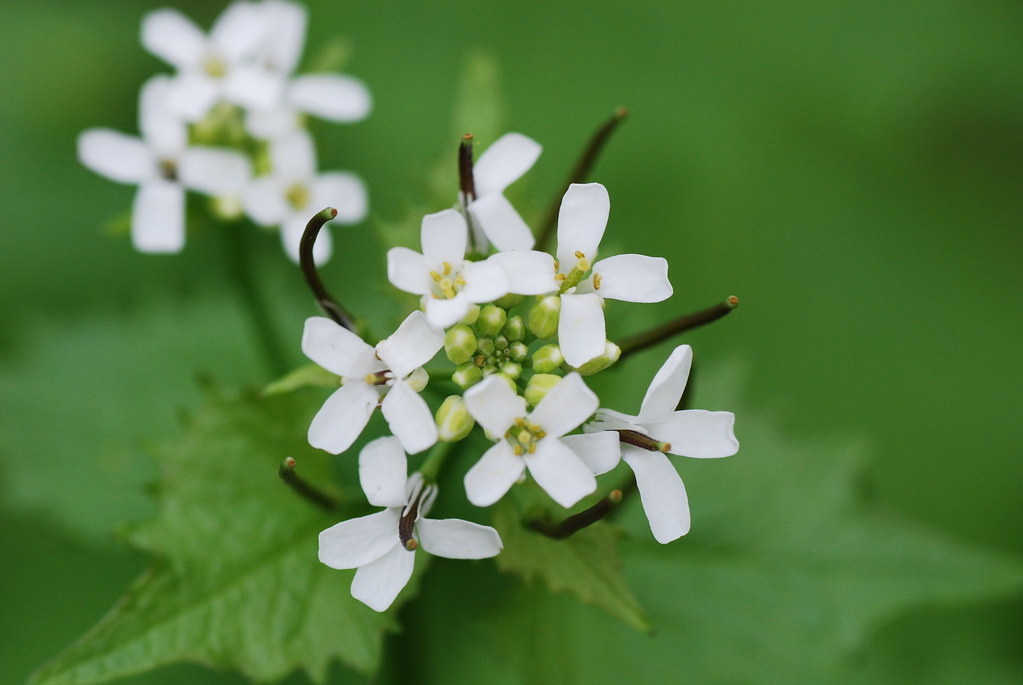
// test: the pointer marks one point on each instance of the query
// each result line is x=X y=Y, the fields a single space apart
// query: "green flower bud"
x=538 y=387
x=518 y=351
x=470 y=318
x=508 y=301
x=486 y=346
x=460 y=344
x=467 y=375
x=491 y=320
x=611 y=354
x=501 y=342
x=543 y=317
x=453 y=420
x=511 y=369
x=509 y=380
x=515 y=329
x=418 y=379
x=547 y=359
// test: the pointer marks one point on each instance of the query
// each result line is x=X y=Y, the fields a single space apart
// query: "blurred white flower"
x=293 y=192
x=689 y=432
x=163 y=166
x=335 y=97
x=382 y=545
x=492 y=217
x=449 y=284
x=392 y=369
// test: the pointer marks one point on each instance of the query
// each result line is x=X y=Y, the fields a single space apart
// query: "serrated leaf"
x=237 y=583
x=585 y=564
x=303 y=376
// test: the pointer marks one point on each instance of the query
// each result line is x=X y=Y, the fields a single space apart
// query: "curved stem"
x=287 y=473
x=573 y=524
x=679 y=325
x=327 y=303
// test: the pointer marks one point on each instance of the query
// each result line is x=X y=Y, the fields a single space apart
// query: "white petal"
x=442 y=313
x=359 y=541
x=494 y=405
x=337 y=349
x=214 y=171
x=662 y=493
x=173 y=37
x=264 y=201
x=581 y=222
x=666 y=388
x=409 y=271
x=192 y=94
x=291 y=239
x=493 y=475
x=287 y=37
x=501 y=223
x=530 y=272
x=119 y=157
x=294 y=158
x=331 y=96
x=558 y=470
x=412 y=345
x=254 y=86
x=633 y=278
x=161 y=127
x=377 y=584
x=409 y=418
x=698 y=433
x=382 y=470
x=504 y=162
x=444 y=236
x=238 y=29
x=458 y=539
x=484 y=281
x=158 y=217
x=340 y=421
x=565 y=406
x=581 y=332
x=271 y=122
x=600 y=451
x=609 y=420
x=343 y=191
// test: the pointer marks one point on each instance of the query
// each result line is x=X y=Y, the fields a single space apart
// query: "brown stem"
x=576 y=522
x=299 y=485
x=305 y=259
x=580 y=172
x=680 y=325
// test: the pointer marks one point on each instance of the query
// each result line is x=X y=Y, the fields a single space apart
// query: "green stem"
x=679 y=325
x=240 y=262
x=431 y=467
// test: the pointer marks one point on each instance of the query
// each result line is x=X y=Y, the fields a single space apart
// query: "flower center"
x=523 y=437
x=297 y=196
x=446 y=285
x=578 y=272
x=213 y=65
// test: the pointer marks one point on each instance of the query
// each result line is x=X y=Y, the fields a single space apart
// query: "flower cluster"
x=229 y=123
x=520 y=328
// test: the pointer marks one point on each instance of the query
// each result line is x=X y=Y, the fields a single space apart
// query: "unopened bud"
x=515 y=329
x=611 y=354
x=467 y=375
x=491 y=320
x=486 y=346
x=543 y=317
x=507 y=379
x=460 y=344
x=471 y=316
x=518 y=351
x=501 y=342
x=453 y=420
x=508 y=301
x=511 y=369
x=418 y=379
x=538 y=387
x=547 y=359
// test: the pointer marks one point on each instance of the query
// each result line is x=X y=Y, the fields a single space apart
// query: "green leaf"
x=236 y=582
x=303 y=376
x=585 y=564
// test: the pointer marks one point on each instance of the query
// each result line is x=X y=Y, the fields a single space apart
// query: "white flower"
x=536 y=441
x=382 y=545
x=690 y=432
x=628 y=277
x=293 y=192
x=244 y=60
x=334 y=97
x=163 y=166
x=449 y=284
x=392 y=369
x=493 y=217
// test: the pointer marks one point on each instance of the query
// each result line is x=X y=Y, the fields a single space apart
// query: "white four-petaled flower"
x=493 y=217
x=382 y=545
x=562 y=465
x=689 y=432
x=629 y=277
x=392 y=369
x=449 y=284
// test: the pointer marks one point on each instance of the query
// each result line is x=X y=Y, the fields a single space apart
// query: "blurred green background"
x=852 y=171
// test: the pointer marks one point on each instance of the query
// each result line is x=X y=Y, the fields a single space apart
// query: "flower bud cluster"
x=229 y=124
